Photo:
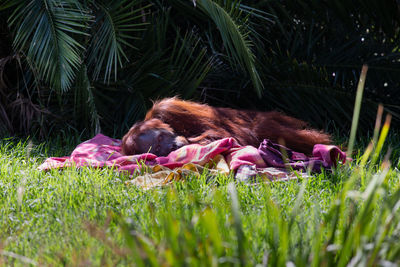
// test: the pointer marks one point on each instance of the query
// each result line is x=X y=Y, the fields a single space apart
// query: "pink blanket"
x=246 y=161
x=103 y=151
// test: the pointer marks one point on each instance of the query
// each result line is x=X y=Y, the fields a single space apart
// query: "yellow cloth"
x=161 y=176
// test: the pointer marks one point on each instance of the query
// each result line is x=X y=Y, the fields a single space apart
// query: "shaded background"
x=88 y=66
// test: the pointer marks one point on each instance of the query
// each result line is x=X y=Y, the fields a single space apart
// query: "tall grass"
x=90 y=217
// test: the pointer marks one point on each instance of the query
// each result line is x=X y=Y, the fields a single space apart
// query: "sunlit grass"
x=90 y=217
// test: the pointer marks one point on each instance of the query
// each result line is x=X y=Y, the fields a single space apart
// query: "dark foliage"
x=89 y=66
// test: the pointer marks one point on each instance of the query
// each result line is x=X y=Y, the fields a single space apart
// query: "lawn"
x=90 y=217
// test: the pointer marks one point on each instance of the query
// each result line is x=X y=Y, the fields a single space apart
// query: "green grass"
x=90 y=217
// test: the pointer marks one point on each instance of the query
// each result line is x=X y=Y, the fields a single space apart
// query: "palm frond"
x=85 y=109
x=171 y=62
x=312 y=69
x=167 y=63
x=45 y=31
x=235 y=38
x=176 y=70
x=114 y=29
x=9 y=3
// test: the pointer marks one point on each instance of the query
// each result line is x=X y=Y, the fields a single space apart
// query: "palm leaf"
x=235 y=38
x=175 y=70
x=113 y=32
x=170 y=62
x=167 y=63
x=85 y=109
x=45 y=31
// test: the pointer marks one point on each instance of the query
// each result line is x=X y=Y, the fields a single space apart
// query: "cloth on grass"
x=102 y=151
x=279 y=156
x=161 y=176
x=222 y=156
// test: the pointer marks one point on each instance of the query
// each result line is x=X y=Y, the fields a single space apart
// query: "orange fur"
x=201 y=123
